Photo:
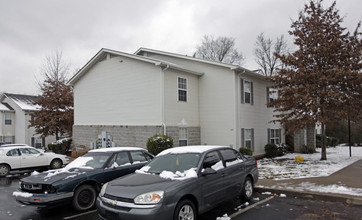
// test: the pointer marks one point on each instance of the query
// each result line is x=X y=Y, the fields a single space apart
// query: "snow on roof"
x=25 y=102
x=189 y=149
x=112 y=149
x=3 y=107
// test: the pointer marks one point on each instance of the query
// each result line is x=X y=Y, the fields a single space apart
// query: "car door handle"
x=222 y=174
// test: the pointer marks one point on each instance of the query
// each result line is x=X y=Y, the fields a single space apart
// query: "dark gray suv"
x=180 y=183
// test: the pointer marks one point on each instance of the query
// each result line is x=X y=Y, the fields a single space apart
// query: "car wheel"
x=56 y=164
x=248 y=189
x=4 y=170
x=84 y=197
x=185 y=210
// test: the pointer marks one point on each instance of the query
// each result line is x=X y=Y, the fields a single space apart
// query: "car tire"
x=84 y=197
x=56 y=164
x=185 y=209
x=248 y=189
x=4 y=169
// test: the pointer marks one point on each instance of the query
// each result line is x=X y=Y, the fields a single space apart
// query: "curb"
x=347 y=199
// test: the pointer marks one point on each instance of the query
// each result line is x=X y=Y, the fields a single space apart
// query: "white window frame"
x=179 y=89
x=8 y=119
x=183 y=136
x=247 y=92
x=272 y=94
x=248 y=139
x=275 y=136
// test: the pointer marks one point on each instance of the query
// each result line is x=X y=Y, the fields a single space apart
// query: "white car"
x=24 y=157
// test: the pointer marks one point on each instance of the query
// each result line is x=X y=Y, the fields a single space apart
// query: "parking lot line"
x=81 y=214
x=250 y=207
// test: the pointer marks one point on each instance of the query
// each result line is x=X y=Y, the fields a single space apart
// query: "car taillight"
x=256 y=162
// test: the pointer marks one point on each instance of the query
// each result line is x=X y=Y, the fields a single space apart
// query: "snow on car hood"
x=52 y=176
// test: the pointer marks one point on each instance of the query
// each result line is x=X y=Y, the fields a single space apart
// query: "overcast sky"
x=31 y=30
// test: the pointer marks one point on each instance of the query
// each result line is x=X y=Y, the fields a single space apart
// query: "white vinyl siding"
x=119 y=91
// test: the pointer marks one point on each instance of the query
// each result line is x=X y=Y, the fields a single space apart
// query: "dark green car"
x=81 y=180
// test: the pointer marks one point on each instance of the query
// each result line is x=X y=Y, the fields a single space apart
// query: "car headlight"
x=103 y=190
x=149 y=198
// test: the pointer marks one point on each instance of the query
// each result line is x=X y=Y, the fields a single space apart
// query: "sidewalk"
x=348 y=179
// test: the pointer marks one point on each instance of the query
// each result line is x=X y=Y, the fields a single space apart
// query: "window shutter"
x=251 y=94
x=43 y=142
x=252 y=139
x=267 y=95
x=280 y=135
x=242 y=137
x=269 y=136
x=242 y=90
x=32 y=141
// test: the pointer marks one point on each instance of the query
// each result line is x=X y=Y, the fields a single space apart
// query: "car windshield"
x=90 y=160
x=173 y=163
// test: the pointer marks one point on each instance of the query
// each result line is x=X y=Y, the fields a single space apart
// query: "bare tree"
x=54 y=68
x=265 y=50
x=221 y=49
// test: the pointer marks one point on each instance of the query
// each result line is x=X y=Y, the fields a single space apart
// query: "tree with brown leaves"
x=55 y=115
x=321 y=81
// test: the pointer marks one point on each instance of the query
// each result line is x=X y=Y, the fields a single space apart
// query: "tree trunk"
x=324 y=150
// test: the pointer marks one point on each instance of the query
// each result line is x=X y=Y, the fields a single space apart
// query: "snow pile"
x=191 y=173
x=224 y=217
x=286 y=167
x=22 y=194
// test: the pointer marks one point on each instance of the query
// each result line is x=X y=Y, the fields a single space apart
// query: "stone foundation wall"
x=130 y=136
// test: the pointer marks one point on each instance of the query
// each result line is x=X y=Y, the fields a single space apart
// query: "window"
x=274 y=136
x=8 y=119
x=182 y=137
x=272 y=94
x=246 y=91
x=9 y=139
x=28 y=151
x=121 y=158
x=13 y=152
x=212 y=160
x=247 y=138
x=182 y=89
x=230 y=157
x=138 y=156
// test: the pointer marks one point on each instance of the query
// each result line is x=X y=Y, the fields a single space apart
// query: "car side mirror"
x=208 y=171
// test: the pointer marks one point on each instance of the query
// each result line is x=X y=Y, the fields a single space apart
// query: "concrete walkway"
x=348 y=177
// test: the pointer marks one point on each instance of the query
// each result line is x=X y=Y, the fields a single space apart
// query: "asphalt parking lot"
x=263 y=206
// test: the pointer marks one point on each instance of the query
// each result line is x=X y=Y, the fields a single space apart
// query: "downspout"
x=163 y=98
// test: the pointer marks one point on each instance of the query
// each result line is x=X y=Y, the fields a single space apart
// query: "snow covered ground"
x=286 y=167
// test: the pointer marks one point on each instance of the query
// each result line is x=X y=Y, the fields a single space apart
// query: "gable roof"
x=5 y=107
x=25 y=102
x=232 y=67
x=102 y=54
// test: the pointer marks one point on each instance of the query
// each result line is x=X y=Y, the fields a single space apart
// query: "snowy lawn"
x=286 y=167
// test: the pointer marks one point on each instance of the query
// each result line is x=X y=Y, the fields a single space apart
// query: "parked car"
x=180 y=183
x=81 y=180
x=24 y=157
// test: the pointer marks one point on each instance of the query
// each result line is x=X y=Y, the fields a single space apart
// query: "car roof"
x=116 y=149
x=14 y=145
x=192 y=149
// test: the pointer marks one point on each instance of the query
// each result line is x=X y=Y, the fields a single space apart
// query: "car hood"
x=135 y=184
x=52 y=176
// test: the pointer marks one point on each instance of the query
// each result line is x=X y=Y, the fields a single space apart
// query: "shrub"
x=307 y=150
x=61 y=146
x=246 y=151
x=158 y=143
x=330 y=141
x=272 y=150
